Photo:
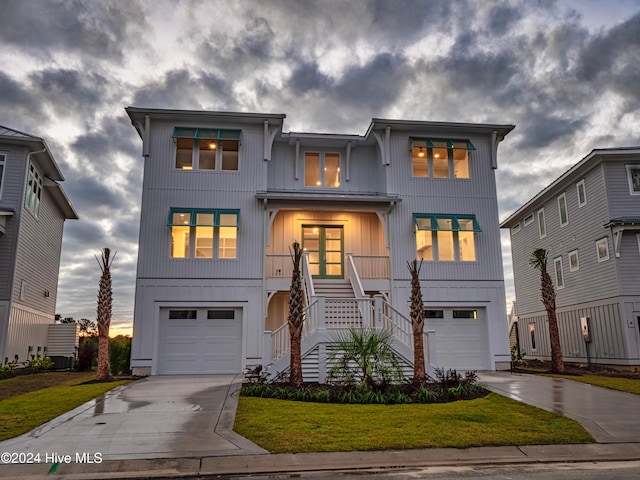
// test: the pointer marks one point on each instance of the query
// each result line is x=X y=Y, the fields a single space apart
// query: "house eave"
x=440 y=128
x=61 y=199
x=327 y=197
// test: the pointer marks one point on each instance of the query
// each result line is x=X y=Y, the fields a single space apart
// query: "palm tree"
x=539 y=260
x=105 y=301
x=296 y=318
x=364 y=358
x=417 y=322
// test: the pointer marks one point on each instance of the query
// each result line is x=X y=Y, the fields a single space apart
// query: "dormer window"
x=322 y=169
x=207 y=149
x=440 y=158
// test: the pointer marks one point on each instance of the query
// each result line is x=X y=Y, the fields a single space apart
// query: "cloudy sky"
x=566 y=73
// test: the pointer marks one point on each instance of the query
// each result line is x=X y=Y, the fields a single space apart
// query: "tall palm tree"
x=105 y=301
x=296 y=318
x=417 y=322
x=538 y=260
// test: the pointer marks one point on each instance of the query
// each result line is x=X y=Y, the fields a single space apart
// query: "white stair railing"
x=279 y=339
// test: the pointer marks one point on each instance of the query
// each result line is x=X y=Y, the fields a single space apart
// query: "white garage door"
x=461 y=338
x=200 y=340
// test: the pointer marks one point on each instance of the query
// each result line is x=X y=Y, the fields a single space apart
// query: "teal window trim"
x=193 y=217
x=452 y=143
x=207 y=133
x=455 y=225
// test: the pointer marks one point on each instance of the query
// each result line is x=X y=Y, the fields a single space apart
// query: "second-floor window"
x=440 y=158
x=207 y=149
x=203 y=233
x=33 y=191
x=322 y=169
x=562 y=209
x=446 y=237
x=633 y=174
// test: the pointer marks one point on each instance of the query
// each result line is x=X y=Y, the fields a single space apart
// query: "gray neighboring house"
x=589 y=221
x=225 y=195
x=33 y=208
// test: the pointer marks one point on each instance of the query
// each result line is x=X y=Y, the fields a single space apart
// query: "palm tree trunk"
x=417 y=323
x=105 y=301
x=296 y=319
x=557 y=364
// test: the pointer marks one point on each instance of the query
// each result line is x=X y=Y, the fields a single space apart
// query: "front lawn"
x=21 y=412
x=622 y=384
x=282 y=426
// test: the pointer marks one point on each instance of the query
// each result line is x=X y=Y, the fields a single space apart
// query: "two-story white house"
x=589 y=221
x=226 y=194
x=33 y=209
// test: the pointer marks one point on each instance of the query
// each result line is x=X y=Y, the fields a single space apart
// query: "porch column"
x=266 y=349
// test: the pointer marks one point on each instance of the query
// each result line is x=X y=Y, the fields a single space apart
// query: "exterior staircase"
x=333 y=305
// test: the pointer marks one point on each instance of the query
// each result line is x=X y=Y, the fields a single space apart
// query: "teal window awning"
x=444 y=222
x=438 y=143
x=207 y=133
x=203 y=217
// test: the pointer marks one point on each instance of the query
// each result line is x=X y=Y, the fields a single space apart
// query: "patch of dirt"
x=20 y=384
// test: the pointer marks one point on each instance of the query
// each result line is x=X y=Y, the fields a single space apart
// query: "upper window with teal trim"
x=207 y=149
x=440 y=157
x=443 y=237
x=203 y=233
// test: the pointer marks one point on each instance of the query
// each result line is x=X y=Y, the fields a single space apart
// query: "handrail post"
x=266 y=348
x=377 y=311
x=320 y=305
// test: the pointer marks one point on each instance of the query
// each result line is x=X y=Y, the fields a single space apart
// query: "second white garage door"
x=461 y=338
x=200 y=341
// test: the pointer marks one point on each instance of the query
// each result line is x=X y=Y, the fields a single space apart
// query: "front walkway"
x=608 y=415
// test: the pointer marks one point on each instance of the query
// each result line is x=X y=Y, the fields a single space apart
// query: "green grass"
x=23 y=412
x=281 y=426
x=629 y=385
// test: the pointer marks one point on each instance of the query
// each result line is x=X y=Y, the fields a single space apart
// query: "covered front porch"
x=346 y=256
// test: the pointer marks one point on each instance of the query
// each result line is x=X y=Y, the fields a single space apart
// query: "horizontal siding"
x=13 y=185
x=621 y=202
x=38 y=261
x=594 y=280
x=63 y=339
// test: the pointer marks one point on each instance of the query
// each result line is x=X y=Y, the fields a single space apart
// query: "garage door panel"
x=461 y=343
x=200 y=345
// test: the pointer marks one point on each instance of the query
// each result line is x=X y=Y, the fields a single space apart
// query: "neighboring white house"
x=589 y=221
x=33 y=208
x=226 y=194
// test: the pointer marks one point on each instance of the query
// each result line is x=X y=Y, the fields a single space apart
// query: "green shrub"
x=425 y=395
x=120 y=355
x=322 y=396
x=39 y=363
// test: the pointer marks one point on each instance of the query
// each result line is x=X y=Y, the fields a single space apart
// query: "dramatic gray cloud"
x=566 y=73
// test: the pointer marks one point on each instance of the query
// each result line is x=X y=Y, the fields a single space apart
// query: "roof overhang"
x=38 y=148
x=325 y=199
x=138 y=115
x=61 y=199
x=441 y=128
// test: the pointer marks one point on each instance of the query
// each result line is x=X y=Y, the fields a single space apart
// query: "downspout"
x=145 y=136
x=387 y=147
x=266 y=141
x=391 y=253
x=263 y=298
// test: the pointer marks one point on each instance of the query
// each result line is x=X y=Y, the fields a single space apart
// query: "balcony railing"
x=372 y=267
x=279 y=266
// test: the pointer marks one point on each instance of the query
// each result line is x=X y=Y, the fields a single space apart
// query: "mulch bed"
x=538 y=366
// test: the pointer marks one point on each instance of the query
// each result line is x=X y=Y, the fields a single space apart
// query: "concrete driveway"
x=608 y=415
x=156 y=417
